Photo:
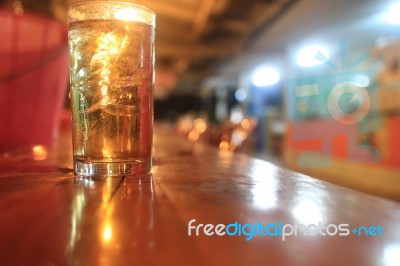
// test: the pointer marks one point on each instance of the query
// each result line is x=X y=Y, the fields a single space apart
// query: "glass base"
x=112 y=168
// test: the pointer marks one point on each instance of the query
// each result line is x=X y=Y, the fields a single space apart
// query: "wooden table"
x=50 y=217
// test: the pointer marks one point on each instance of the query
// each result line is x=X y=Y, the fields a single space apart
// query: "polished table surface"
x=50 y=217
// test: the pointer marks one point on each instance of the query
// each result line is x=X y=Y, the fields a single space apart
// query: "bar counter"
x=50 y=217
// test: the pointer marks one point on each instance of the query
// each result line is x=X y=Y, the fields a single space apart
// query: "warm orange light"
x=245 y=124
x=242 y=135
x=107 y=233
x=200 y=125
x=224 y=145
x=39 y=153
x=193 y=135
x=185 y=124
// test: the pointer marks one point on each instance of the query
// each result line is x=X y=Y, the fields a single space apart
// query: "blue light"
x=240 y=95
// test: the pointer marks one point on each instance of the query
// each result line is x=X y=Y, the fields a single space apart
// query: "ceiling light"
x=265 y=76
x=307 y=56
x=392 y=15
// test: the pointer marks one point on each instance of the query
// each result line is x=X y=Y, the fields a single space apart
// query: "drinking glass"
x=111 y=47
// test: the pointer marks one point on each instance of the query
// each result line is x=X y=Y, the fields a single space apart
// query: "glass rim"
x=152 y=13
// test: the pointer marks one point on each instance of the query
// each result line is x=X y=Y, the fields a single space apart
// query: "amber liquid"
x=111 y=74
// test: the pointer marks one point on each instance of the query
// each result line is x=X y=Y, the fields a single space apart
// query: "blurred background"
x=311 y=85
